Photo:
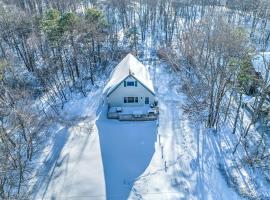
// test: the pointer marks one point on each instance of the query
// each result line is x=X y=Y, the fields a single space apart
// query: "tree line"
x=214 y=58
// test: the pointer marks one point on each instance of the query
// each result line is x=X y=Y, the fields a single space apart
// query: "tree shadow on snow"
x=51 y=162
x=127 y=148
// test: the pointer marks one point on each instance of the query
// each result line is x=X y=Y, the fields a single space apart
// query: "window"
x=130 y=83
x=146 y=100
x=130 y=99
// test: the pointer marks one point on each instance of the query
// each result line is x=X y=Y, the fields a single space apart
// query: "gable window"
x=130 y=83
x=130 y=99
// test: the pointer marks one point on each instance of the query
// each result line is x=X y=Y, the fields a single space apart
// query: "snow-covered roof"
x=130 y=65
x=261 y=64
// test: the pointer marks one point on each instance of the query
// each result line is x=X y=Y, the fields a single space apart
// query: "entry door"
x=146 y=100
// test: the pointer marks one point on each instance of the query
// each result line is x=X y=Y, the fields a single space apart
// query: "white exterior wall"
x=116 y=98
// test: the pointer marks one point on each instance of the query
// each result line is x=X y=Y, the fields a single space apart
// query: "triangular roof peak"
x=130 y=65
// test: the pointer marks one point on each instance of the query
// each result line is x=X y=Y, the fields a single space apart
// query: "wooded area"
x=50 y=49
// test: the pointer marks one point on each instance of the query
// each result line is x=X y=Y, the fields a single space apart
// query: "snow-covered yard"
x=62 y=67
x=73 y=164
x=98 y=158
x=191 y=169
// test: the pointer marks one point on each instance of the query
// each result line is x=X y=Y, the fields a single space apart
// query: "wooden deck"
x=133 y=113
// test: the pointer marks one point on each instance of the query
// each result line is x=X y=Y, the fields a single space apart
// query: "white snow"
x=78 y=164
x=129 y=66
x=73 y=167
x=127 y=149
x=98 y=158
x=191 y=169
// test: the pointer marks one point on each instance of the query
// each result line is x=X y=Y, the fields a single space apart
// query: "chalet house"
x=130 y=93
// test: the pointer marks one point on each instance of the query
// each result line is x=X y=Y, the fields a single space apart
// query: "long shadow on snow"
x=127 y=149
x=47 y=170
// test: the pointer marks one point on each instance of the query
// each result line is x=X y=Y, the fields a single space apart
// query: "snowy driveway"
x=127 y=149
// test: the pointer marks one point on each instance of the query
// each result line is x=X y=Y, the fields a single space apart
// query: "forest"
x=53 y=50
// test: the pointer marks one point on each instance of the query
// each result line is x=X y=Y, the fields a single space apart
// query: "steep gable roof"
x=129 y=66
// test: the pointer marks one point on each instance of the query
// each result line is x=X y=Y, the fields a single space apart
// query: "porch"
x=134 y=113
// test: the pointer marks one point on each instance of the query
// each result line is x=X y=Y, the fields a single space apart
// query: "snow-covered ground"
x=127 y=149
x=191 y=169
x=73 y=165
x=92 y=157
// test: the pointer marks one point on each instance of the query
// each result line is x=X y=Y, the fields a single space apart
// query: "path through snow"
x=188 y=168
